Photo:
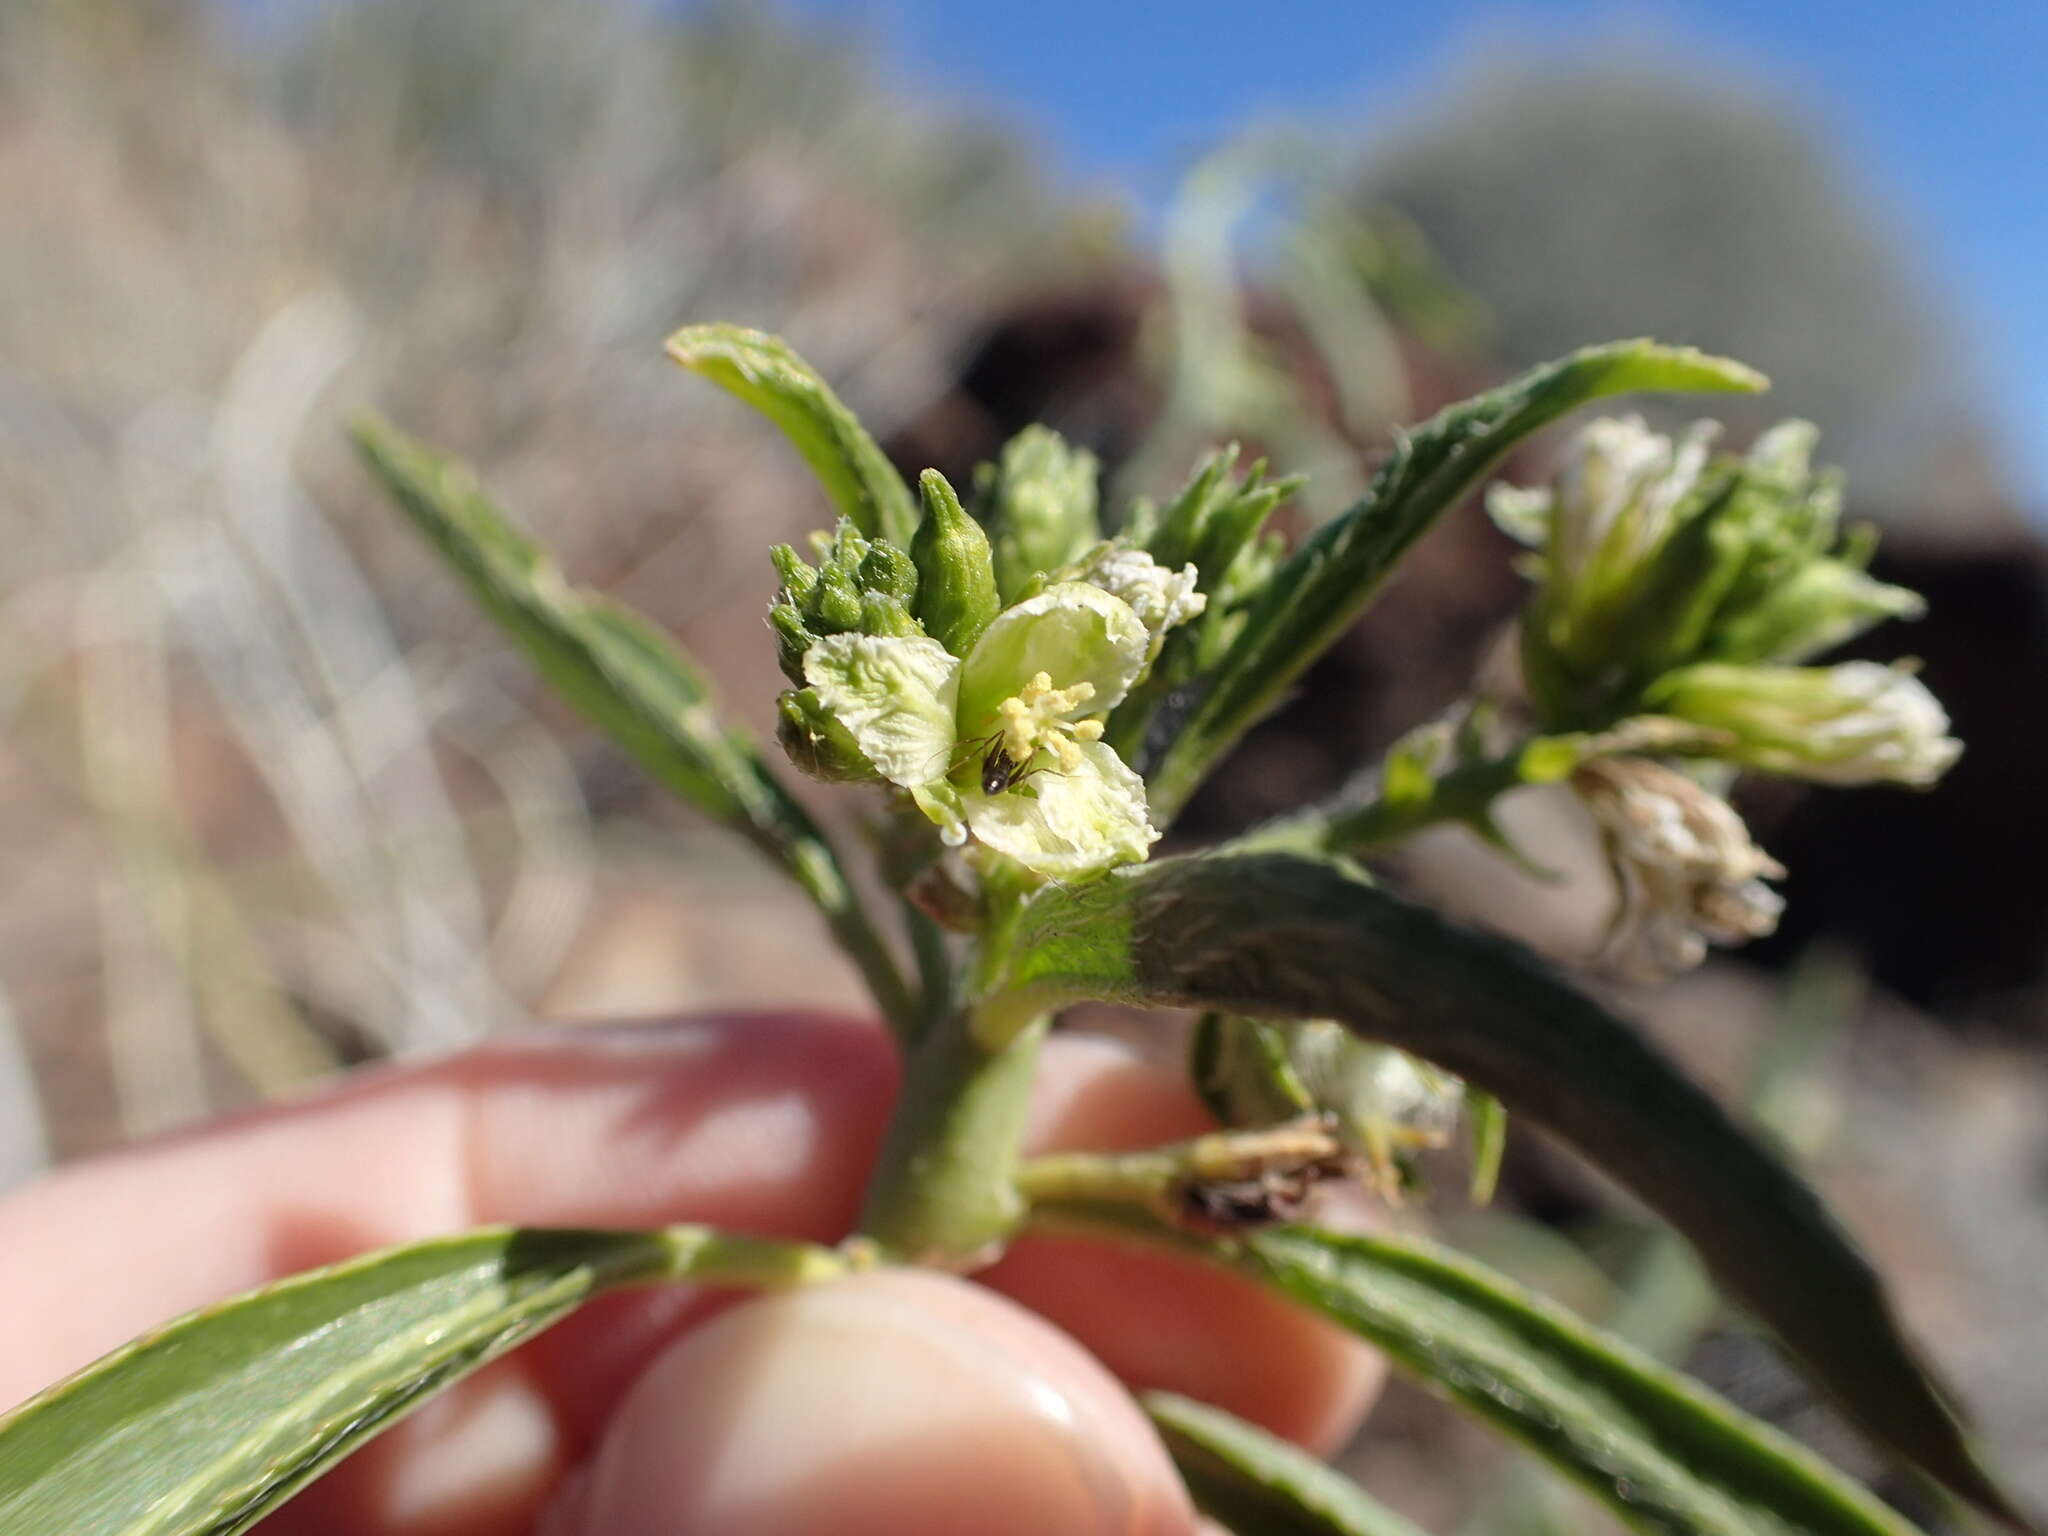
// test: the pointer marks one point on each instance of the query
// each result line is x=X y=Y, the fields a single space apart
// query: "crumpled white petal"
x=1072 y=632
x=1159 y=597
x=895 y=694
x=1086 y=818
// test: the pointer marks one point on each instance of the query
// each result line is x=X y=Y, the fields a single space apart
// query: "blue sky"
x=1941 y=108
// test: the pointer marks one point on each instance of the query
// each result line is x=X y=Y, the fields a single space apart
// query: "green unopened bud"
x=1857 y=723
x=881 y=614
x=1039 y=503
x=834 y=607
x=844 y=546
x=956 y=579
x=793 y=637
x=816 y=742
x=889 y=571
x=797 y=575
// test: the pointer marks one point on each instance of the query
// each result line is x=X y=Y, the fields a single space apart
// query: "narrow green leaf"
x=1278 y=935
x=765 y=372
x=1259 y=1484
x=1329 y=581
x=1666 y=1454
x=631 y=681
x=221 y=1416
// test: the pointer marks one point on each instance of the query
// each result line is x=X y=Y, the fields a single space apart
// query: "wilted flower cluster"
x=1677 y=584
x=1688 y=873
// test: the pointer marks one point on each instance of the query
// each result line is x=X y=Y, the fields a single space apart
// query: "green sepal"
x=816 y=743
x=956 y=578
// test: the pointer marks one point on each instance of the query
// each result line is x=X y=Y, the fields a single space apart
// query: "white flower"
x=1688 y=874
x=1006 y=744
x=1855 y=723
x=1159 y=597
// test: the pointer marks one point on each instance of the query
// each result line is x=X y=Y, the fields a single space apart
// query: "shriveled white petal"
x=1159 y=597
x=895 y=694
x=1686 y=871
x=1073 y=632
x=1086 y=818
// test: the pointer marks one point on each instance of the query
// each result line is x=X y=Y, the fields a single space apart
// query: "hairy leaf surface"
x=765 y=372
x=1278 y=935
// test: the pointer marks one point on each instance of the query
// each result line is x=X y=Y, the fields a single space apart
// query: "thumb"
x=895 y=1402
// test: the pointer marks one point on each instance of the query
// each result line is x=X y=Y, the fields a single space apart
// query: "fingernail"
x=890 y=1403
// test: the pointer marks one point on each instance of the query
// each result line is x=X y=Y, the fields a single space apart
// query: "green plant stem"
x=707 y=1256
x=934 y=968
x=815 y=866
x=1148 y=1178
x=1464 y=795
x=944 y=1191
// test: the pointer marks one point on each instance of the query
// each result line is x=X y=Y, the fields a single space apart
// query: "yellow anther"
x=1033 y=720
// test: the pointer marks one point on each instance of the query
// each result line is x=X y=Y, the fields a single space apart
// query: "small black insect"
x=1001 y=773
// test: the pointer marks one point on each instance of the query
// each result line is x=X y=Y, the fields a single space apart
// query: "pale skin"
x=895 y=1402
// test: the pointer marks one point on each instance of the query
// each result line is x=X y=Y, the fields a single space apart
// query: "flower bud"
x=834 y=605
x=816 y=742
x=1039 y=505
x=889 y=571
x=956 y=579
x=1653 y=559
x=860 y=586
x=793 y=637
x=1856 y=723
x=881 y=614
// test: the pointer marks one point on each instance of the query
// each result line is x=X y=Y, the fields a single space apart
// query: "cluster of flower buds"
x=1650 y=554
x=978 y=679
x=1675 y=583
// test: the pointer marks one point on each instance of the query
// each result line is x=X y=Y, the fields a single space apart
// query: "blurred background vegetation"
x=276 y=801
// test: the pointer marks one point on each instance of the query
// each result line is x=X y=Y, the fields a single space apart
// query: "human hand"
x=897 y=1402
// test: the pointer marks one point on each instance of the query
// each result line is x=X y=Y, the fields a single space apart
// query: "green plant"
x=1028 y=703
